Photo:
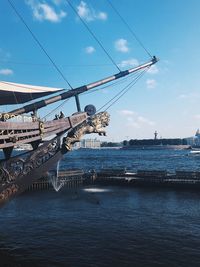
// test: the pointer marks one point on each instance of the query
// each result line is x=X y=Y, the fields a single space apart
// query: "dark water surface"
x=106 y=226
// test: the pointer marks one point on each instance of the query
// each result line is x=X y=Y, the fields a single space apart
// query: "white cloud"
x=197 y=116
x=102 y=16
x=190 y=96
x=89 y=49
x=132 y=62
x=6 y=72
x=43 y=11
x=122 y=45
x=90 y=14
x=151 y=83
x=183 y=96
x=153 y=69
x=144 y=120
x=126 y=112
x=135 y=120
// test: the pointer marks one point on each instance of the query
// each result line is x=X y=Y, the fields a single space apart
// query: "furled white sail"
x=14 y=93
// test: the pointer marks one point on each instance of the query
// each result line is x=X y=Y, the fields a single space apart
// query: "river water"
x=106 y=226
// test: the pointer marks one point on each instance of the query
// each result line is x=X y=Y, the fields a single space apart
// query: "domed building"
x=197 y=138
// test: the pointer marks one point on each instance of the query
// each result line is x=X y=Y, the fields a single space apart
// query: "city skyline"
x=165 y=99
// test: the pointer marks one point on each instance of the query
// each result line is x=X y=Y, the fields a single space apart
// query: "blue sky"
x=166 y=99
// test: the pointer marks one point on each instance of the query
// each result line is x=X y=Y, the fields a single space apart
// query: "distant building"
x=197 y=138
x=23 y=147
x=194 y=140
x=190 y=140
x=155 y=135
x=88 y=143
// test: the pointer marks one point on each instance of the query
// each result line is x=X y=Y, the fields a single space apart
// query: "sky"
x=166 y=99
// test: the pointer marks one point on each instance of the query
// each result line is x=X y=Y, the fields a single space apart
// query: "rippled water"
x=159 y=159
x=105 y=226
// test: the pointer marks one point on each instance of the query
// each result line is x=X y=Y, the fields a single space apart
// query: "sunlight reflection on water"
x=96 y=190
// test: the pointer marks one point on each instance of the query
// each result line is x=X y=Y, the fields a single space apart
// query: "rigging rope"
x=129 y=28
x=90 y=92
x=93 y=35
x=38 y=42
x=52 y=111
x=123 y=91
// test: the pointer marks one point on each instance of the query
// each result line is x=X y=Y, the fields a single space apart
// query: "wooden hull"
x=17 y=173
x=22 y=172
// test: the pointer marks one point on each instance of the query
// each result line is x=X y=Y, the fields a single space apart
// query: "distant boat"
x=194 y=152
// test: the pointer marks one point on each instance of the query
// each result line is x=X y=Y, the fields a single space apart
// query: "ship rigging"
x=16 y=173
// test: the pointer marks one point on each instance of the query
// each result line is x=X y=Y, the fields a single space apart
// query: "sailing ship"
x=49 y=140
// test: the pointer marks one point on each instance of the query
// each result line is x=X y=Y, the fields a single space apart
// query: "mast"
x=79 y=90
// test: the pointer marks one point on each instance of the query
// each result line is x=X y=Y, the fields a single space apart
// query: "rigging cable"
x=94 y=90
x=56 y=108
x=93 y=35
x=129 y=28
x=123 y=91
x=39 y=43
x=130 y=85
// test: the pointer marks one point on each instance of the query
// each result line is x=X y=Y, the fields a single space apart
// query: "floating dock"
x=150 y=178
x=147 y=178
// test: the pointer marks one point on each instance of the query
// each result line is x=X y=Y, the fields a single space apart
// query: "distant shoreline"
x=156 y=147
x=160 y=147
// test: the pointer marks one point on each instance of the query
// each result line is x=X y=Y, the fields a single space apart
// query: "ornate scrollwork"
x=16 y=167
x=4 y=176
x=94 y=124
x=12 y=171
x=15 y=171
x=4 y=195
